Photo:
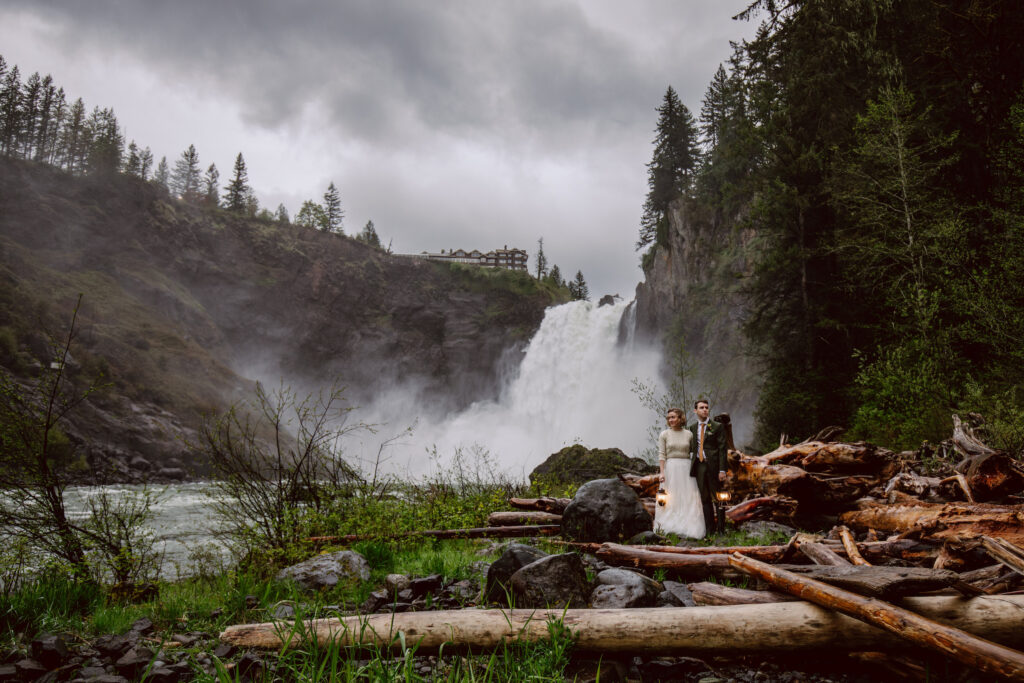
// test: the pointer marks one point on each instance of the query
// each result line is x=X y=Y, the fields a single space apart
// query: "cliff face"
x=692 y=302
x=183 y=308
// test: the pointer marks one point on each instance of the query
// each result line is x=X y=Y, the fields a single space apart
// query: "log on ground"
x=521 y=517
x=779 y=628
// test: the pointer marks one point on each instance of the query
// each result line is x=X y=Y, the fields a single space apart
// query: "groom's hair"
x=698 y=402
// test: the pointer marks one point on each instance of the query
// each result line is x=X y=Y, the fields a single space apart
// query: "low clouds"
x=482 y=123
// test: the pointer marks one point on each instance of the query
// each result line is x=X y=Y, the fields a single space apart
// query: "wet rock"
x=553 y=581
x=499 y=574
x=224 y=651
x=326 y=571
x=426 y=584
x=374 y=602
x=395 y=583
x=143 y=625
x=578 y=464
x=134 y=662
x=29 y=669
x=681 y=593
x=114 y=647
x=605 y=510
x=667 y=599
x=623 y=589
x=51 y=651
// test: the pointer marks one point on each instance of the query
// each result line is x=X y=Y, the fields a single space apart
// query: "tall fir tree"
x=162 y=175
x=332 y=210
x=211 y=187
x=237 y=193
x=673 y=164
x=578 y=289
x=185 y=178
x=10 y=112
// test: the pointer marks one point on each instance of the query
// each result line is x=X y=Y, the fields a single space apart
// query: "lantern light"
x=662 y=497
x=724 y=496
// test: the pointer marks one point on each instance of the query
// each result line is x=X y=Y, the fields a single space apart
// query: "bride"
x=682 y=513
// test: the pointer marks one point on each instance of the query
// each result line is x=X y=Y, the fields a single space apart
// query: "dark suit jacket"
x=715 y=449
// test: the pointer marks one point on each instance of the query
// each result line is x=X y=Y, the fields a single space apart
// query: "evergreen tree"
x=670 y=172
x=107 y=144
x=369 y=235
x=542 y=261
x=311 y=215
x=162 y=175
x=44 y=119
x=145 y=163
x=332 y=209
x=133 y=165
x=238 y=192
x=578 y=289
x=555 y=276
x=75 y=139
x=56 y=109
x=185 y=178
x=10 y=112
x=282 y=215
x=30 y=100
x=211 y=191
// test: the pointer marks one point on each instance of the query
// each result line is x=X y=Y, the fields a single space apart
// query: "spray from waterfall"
x=574 y=385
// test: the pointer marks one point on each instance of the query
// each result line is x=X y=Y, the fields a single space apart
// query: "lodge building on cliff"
x=510 y=259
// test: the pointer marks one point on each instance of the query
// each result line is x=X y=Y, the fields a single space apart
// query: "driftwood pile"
x=932 y=555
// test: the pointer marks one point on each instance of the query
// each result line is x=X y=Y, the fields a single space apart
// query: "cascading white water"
x=574 y=385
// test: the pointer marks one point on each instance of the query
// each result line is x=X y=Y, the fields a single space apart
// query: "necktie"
x=700 y=453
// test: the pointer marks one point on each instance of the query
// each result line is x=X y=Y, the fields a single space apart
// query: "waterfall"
x=574 y=385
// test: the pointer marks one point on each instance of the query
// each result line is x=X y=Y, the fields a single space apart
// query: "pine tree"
x=133 y=165
x=162 y=175
x=30 y=101
x=238 y=192
x=714 y=109
x=542 y=261
x=555 y=276
x=332 y=209
x=10 y=112
x=211 y=190
x=282 y=215
x=44 y=126
x=670 y=172
x=107 y=143
x=578 y=288
x=369 y=235
x=75 y=139
x=145 y=163
x=185 y=178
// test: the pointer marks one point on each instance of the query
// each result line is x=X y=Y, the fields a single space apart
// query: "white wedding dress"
x=682 y=513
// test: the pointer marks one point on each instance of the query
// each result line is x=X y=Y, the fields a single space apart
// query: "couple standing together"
x=692 y=462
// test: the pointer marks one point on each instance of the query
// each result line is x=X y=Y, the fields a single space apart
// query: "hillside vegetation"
x=185 y=306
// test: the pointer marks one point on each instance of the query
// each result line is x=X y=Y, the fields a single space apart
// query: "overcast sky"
x=449 y=123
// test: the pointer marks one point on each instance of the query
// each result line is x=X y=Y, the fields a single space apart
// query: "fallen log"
x=645 y=487
x=886 y=583
x=973 y=651
x=480 y=532
x=775 y=508
x=555 y=506
x=689 y=567
x=820 y=554
x=706 y=593
x=522 y=517
x=1002 y=551
x=850 y=546
x=769 y=628
x=940 y=522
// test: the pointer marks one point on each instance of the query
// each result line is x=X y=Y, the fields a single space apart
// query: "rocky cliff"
x=692 y=302
x=183 y=308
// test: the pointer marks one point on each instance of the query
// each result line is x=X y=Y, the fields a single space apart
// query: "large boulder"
x=605 y=510
x=552 y=581
x=578 y=464
x=622 y=588
x=499 y=575
x=326 y=571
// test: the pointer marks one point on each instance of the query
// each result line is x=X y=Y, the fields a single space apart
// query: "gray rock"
x=762 y=528
x=51 y=651
x=622 y=588
x=174 y=473
x=91 y=672
x=553 y=581
x=681 y=592
x=29 y=669
x=395 y=583
x=8 y=672
x=648 y=538
x=667 y=599
x=140 y=463
x=426 y=584
x=143 y=625
x=464 y=591
x=134 y=662
x=605 y=510
x=326 y=571
x=115 y=646
x=578 y=464
x=499 y=574
x=163 y=674
x=374 y=602
x=283 y=610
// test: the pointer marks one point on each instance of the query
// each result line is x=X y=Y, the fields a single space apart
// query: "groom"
x=707 y=459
